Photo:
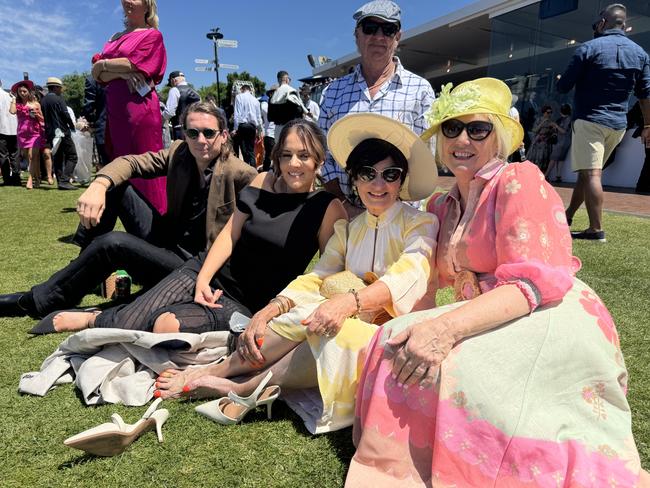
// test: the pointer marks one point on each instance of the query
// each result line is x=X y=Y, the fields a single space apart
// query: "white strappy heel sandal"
x=233 y=408
x=114 y=437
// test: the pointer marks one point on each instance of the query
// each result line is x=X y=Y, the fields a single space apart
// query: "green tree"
x=73 y=90
x=211 y=91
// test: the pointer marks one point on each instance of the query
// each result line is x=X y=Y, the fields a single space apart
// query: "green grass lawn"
x=197 y=452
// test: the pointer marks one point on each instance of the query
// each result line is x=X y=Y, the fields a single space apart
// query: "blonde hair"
x=499 y=131
x=151 y=17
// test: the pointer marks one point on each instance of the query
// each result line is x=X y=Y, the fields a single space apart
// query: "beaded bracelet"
x=356 y=299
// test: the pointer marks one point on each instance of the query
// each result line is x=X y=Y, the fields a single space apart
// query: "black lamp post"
x=215 y=35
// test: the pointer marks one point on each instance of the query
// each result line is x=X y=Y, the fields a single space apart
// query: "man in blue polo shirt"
x=605 y=72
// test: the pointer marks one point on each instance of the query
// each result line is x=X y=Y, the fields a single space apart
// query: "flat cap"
x=382 y=9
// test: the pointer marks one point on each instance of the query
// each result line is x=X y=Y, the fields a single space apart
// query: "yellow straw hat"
x=481 y=96
x=347 y=132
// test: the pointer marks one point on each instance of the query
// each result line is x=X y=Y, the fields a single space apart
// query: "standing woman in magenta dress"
x=31 y=132
x=131 y=64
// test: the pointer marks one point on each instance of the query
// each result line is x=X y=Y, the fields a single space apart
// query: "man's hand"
x=92 y=202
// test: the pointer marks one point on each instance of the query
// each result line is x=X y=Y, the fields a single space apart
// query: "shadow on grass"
x=78 y=461
x=67 y=239
x=65 y=210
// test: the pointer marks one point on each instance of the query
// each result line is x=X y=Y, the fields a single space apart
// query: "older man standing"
x=605 y=71
x=181 y=95
x=379 y=84
x=59 y=125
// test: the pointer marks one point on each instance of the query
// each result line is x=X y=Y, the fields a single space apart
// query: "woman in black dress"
x=279 y=224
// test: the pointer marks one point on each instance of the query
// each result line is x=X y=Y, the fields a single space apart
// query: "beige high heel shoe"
x=233 y=408
x=114 y=437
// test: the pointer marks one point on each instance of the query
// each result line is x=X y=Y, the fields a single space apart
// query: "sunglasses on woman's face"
x=389 y=175
x=477 y=130
x=370 y=28
x=207 y=133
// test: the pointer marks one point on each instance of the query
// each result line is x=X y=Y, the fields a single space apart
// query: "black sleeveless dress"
x=276 y=244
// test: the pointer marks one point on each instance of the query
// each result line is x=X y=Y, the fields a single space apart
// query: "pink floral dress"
x=537 y=402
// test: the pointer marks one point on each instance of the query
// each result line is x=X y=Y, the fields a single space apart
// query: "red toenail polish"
x=186 y=389
x=157 y=393
x=157 y=385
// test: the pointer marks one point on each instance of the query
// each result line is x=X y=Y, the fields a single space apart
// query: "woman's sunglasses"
x=207 y=133
x=389 y=175
x=370 y=28
x=477 y=130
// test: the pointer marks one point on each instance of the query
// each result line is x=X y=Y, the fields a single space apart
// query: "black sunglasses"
x=370 y=28
x=389 y=175
x=477 y=130
x=207 y=133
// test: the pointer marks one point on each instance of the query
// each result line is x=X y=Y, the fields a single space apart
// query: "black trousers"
x=246 y=142
x=9 y=163
x=137 y=215
x=173 y=294
x=269 y=142
x=139 y=251
x=65 y=159
x=146 y=263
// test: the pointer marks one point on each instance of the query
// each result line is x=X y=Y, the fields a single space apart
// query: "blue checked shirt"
x=405 y=97
x=605 y=72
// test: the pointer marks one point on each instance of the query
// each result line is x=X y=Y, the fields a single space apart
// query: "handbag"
x=346 y=280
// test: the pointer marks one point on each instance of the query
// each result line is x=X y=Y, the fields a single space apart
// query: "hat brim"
x=347 y=132
x=27 y=83
x=513 y=129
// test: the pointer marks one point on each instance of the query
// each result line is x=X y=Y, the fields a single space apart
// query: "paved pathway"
x=616 y=199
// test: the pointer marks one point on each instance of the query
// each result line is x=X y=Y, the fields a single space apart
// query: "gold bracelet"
x=356 y=299
x=646 y=126
x=277 y=303
x=282 y=303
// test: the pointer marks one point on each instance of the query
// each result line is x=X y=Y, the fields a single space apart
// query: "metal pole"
x=216 y=70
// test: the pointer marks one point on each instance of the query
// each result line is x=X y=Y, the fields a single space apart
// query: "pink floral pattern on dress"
x=593 y=305
x=594 y=396
x=506 y=223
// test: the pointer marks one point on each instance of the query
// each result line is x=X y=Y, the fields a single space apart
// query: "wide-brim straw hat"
x=481 y=96
x=53 y=81
x=29 y=84
x=347 y=132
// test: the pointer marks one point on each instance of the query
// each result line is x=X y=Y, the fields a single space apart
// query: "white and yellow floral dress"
x=397 y=246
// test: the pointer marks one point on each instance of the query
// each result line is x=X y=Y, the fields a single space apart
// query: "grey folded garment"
x=119 y=365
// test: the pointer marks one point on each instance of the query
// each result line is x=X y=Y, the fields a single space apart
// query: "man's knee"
x=115 y=242
x=165 y=323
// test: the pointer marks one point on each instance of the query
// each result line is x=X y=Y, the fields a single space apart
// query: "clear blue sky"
x=57 y=37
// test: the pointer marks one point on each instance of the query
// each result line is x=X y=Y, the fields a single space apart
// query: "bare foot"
x=71 y=321
x=170 y=383
x=213 y=387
